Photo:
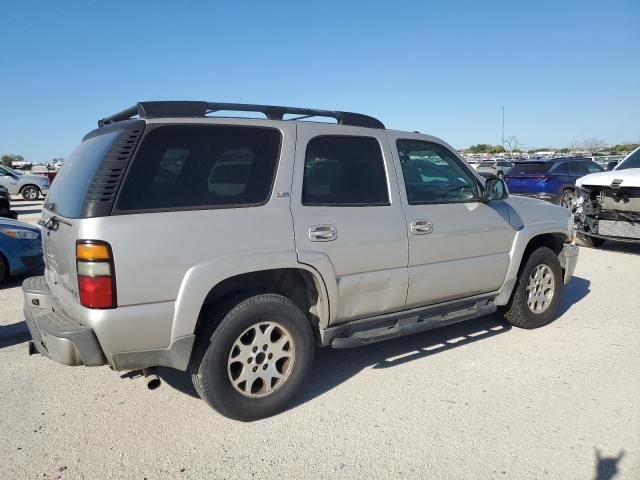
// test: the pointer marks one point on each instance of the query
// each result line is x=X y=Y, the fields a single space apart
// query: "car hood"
x=9 y=223
x=543 y=215
x=630 y=178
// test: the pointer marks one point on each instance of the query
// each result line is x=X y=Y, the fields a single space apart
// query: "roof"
x=197 y=109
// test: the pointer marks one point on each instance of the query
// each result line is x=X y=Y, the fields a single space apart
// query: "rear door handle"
x=323 y=233
x=421 y=227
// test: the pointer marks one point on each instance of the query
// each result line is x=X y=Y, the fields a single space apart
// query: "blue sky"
x=564 y=70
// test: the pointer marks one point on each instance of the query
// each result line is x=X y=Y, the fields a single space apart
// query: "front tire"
x=255 y=361
x=536 y=297
x=30 y=193
x=4 y=269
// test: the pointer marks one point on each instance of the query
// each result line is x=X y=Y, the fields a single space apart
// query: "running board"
x=367 y=331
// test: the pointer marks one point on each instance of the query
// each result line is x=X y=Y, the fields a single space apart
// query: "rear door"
x=347 y=213
x=458 y=245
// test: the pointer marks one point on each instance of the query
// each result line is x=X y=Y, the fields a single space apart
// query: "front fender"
x=202 y=278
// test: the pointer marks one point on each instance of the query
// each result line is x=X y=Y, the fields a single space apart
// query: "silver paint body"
x=365 y=261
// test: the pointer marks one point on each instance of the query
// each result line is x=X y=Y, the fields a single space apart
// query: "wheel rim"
x=540 y=288
x=30 y=193
x=261 y=359
x=567 y=199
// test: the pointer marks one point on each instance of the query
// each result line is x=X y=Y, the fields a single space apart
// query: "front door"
x=458 y=245
x=348 y=215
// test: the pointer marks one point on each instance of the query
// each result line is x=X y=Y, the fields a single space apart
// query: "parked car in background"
x=31 y=187
x=45 y=170
x=553 y=180
x=5 y=204
x=365 y=234
x=612 y=164
x=608 y=204
x=20 y=248
x=494 y=168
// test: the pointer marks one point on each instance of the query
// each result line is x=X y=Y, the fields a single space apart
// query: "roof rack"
x=201 y=109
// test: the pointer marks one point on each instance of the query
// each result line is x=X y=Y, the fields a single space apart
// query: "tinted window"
x=632 y=161
x=433 y=174
x=526 y=168
x=344 y=171
x=190 y=166
x=593 y=167
x=67 y=193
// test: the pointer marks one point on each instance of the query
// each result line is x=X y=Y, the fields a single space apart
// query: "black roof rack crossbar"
x=200 y=109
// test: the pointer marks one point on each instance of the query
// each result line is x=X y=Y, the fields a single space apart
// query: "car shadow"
x=333 y=367
x=607 y=467
x=14 y=334
x=16 y=281
x=620 y=247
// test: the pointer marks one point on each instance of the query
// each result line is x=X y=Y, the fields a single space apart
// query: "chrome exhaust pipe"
x=151 y=378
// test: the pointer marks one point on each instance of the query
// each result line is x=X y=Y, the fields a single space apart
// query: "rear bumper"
x=55 y=334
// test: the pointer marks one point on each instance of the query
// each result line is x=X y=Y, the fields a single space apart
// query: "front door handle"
x=323 y=233
x=421 y=227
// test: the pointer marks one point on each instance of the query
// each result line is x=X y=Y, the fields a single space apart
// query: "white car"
x=608 y=204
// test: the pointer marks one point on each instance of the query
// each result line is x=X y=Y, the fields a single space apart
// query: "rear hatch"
x=527 y=177
x=79 y=187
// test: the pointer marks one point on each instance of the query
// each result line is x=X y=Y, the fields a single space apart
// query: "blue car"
x=20 y=248
x=553 y=180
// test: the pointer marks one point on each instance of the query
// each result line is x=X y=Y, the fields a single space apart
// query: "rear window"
x=68 y=191
x=529 y=168
x=486 y=164
x=198 y=166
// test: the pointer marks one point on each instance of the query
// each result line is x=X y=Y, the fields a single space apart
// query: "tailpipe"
x=151 y=378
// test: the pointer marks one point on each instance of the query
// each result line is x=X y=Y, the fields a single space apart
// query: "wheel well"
x=297 y=285
x=554 y=241
x=28 y=185
x=7 y=272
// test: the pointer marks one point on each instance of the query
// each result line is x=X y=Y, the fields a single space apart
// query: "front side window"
x=433 y=174
x=192 y=166
x=344 y=171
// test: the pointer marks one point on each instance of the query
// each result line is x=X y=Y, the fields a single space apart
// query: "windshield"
x=10 y=170
x=632 y=161
x=67 y=193
x=534 y=168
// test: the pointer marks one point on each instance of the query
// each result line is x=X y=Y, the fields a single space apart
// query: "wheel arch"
x=206 y=286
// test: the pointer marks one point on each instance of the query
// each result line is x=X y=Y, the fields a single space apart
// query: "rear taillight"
x=96 y=275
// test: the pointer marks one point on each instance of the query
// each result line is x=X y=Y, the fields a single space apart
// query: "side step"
x=367 y=331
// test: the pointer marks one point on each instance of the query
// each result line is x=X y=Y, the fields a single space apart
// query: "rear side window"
x=68 y=191
x=198 y=166
x=341 y=170
x=529 y=168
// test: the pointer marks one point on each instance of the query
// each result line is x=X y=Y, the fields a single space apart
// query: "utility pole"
x=502 y=126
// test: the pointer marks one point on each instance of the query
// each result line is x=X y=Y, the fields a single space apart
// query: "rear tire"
x=536 y=296
x=30 y=193
x=589 y=241
x=252 y=364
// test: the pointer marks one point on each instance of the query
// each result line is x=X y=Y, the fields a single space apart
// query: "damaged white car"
x=607 y=206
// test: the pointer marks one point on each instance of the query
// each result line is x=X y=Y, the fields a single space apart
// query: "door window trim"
x=456 y=159
x=343 y=205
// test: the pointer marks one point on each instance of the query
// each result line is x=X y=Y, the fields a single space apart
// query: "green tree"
x=9 y=159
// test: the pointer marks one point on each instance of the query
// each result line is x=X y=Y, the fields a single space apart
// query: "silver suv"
x=232 y=247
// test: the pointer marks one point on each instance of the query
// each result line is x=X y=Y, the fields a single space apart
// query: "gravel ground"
x=475 y=400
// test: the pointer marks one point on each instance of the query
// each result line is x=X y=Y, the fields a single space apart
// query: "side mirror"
x=495 y=189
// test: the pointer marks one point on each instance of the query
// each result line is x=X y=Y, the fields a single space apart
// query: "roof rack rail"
x=201 y=109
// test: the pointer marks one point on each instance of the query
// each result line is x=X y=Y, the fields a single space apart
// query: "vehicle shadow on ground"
x=14 y=334
x=333 y=367
x=621 y=247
